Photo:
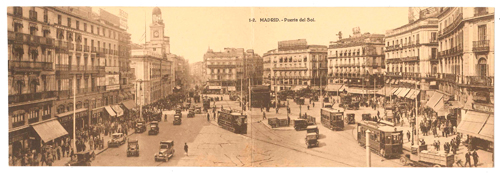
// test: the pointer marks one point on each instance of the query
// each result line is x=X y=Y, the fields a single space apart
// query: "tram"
x=233 y=121
x=332 y=119
x=385 y=141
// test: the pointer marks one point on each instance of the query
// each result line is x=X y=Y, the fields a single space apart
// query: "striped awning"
x=477 y=124
x=50 y=130
x=403 y=92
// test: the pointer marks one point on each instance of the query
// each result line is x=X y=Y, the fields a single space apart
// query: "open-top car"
x=153 y=128
x=311 y=140
x=191 y=113
x=313 y=129
x=117 y=139
x=82 y=159
x=177 y=119
x=140 y=127
x=299 y=124
x=133 y=148
x=166 y=151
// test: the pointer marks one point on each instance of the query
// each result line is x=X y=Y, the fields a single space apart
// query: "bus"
x=384 y=140
x=332 y=119
x=232 y=121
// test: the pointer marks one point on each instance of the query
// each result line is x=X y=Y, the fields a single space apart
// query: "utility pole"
x=321 y=89
x=74 y=114
x=416 y=113
x=276 y=94
x=368 y=154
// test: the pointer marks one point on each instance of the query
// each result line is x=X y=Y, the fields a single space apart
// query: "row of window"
x=18 y=119
x=408 y=40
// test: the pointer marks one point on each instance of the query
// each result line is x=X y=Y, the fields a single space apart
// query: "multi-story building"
x=409 y=53
x=295 y=65
x=254 y=67
x=197 y=74
x=65 y=61
x=464 y=69
x=224 y=70
x=356 y=63
x=154 y=69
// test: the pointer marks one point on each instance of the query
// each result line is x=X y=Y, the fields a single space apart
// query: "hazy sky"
x=193 y=29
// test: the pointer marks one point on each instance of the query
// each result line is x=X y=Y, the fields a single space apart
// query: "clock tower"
x=159 y=42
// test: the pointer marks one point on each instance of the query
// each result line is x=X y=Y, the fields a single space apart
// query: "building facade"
x=254 y=67
x=410 y=53
x=66 y=60
x=464 y=69
x=197 y=75
x=357 y=63
x=295 y=65
x=224 y=70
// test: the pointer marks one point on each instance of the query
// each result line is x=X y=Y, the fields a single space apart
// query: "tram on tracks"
x=233 y=121
x=385 y=141
x=332 y=119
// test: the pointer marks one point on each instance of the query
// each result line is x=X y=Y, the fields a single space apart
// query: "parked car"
x=313 y=129
x=140 y=127
x=191 y=113
x=311 y=140
x=153 y=128
x=82 y=159
x=299 y=124
x=166 y=151
x=133 y=148
x=117 y=139
x=177 y=119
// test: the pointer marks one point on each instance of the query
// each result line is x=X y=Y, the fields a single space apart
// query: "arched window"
x=483 y=67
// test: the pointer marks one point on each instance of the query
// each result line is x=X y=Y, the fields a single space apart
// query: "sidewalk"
x=66 y=159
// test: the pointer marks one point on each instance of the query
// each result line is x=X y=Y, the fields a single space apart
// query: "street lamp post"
x=74 y=115
x=141 y=100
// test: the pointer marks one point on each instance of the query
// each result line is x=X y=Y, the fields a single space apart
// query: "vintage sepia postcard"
x=251 y=86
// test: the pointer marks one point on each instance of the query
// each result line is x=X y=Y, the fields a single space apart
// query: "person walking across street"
x=475 y=157
x=408 y=135
x=208 y=117
x=186 y=149
x=467 y=159
x=264 y=116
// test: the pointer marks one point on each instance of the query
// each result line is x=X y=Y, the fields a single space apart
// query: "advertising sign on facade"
x=123 y=19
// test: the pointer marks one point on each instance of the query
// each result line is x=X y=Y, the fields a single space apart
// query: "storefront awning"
x=50 y=130
x=342 y=88
x=298 y=87
x=409 y=93
x=118 y=110
x=110 y=111
x=398 y=91
x=393 y=91
x=455 y=104
x=392 y=81
x=413 y=95
x=129 y=104
x=403 y=92
x=477 y=124
x=436 y=97
x=334 y=87
x=388 y=80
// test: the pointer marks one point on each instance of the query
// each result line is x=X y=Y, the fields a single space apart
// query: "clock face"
x=156 y=34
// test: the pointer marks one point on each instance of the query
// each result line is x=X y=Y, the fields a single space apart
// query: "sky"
x=192 y=30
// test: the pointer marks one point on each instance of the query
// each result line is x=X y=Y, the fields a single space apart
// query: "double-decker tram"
x=386 y=141
x=332 y=119
x=232 y=121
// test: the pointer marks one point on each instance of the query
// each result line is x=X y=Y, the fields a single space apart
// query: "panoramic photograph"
x=251 y=86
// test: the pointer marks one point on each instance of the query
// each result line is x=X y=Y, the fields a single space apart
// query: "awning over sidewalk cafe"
x=118 y=110
x=129 y=104
x=50 y=130
x=334 y=87
x=110 y=111
x=403 y=92
x=413 y=94
x=477 y=124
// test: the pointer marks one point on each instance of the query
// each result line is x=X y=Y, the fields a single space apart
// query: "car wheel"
x=403 y=161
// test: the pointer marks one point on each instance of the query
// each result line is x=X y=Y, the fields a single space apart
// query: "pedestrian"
x=307 y=107
x=208 y=116
x=408 y=135
x=467 y=159
x=264 y=116
x=313 y=105
x=438 y=145
x=288 y=117
x=475 y=157
x=58 y=147
x=186 y=149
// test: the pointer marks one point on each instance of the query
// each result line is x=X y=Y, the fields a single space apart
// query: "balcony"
x=410 y=59
x=33 y=120
x=71 y=46
x=94 y=50
x=479 y=11
x=86 y=48
x=63 y=94
x=111 y=52
x=19 y=38
x=61 y=67
x=79 y=47
x=62 y=45
x=18 y=12
x=481 y=46
x=29 y=66
x=47 y=41
x=101 y=71
x=453 y=25
x=112 y=69
x=19 y=98
x=479 y=81
x=33 y=15
x=32 y=40
x=17 y=124
x=82 y=90
x=395 y=74
x=46 y=117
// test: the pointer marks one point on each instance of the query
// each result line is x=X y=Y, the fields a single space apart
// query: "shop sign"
x=483 y=108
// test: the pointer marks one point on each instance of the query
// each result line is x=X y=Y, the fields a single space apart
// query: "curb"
x=279 y=129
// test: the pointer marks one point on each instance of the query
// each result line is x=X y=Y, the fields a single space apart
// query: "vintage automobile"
x=191 y=113
x=418 y=157
x=133 y=148
x=327 y=105
x=311 y=140
x=140 y=127
x=117 y=139
x=82 y=159
x=350 y=118
x=299 y=124
x=177 y=119
x=178 y=111
x=198 y=110
x=166 y=151
x=366 y=117
x=313 y=129
x=153 y=128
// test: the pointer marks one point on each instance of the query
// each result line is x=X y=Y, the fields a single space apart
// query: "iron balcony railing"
x=30 y=66
x=19 y=98
x=480 y=46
